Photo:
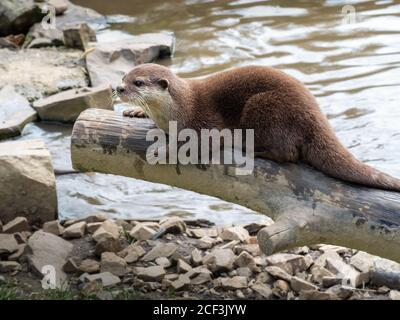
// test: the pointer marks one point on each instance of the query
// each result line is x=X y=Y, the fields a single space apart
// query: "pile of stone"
x=170 y=258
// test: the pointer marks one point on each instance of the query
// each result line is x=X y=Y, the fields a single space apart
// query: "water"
x=352 y=68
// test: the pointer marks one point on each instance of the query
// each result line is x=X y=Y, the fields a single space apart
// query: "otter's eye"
x=138 y=83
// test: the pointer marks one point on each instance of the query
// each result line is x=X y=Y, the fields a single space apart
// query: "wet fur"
x=288 y=123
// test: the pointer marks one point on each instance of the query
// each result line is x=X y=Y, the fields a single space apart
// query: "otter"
x=287 y=121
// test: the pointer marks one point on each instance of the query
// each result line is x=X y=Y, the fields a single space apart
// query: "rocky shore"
x=98 y=258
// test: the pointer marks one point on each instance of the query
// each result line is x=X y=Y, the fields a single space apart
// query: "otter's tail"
x=333 y=159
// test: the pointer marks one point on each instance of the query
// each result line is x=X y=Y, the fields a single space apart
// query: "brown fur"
x=286 y=118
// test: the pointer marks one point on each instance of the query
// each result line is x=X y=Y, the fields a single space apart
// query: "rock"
x=21 y=251
x=132 y=253
x=394 y=295
x=254 y=227
x=66 y=106
x=92 y=287
x=299 y=284
x=182 y=266
x=92 y=227
x=291 y=263
x=262 y=289
x=206 y=242
x=17 y=16
x=9 y=266
x=340 y=291
x=22 y=237
x=160 y=250
x=230 y=245
x=203 y=276
x=142 y=232
x=234 y=233
x=154 y=273
x=163 y=262
x=106 y=278
x=219 y=260
x=35 y=73
x=329 y=281
x=8 y=44
x=328 y=247
x=53 y=227
x=72 y=16
x=318 y=273
x=96 y=218
x=49 y=250
x=346 y=272
x=19 y=224
x=197 y=257
x=280 y=288
x=110 y=61
x=245 y=259
x=233 y=283
x=253 y=249
x=171 y=276
x=321 y=260
x=181 y=283
x=27 y=183
x=71 y=266
x=316 y=295
x=204 y=232
x=385 y=273
x=363 y=261
x=76 y=230
x=107 y=245
x=78 y=36
x=173 y=225
x=110 y=262
x=60 y=6
x=89 y=266
x=108 y=230
x=244 y=272
x=278 y=273
x=15 y=112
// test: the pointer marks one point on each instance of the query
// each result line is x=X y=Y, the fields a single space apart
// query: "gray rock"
x=385 y=273
x=163 y=262
x=15 y=112
x=182 y=266
x=17 y=16
x=106 y=278
x=291 y=263
x=253 y=249
x=22 y=250
x=107 y=245
x=347 y=272
x=206 y=242
x=18 y=224
x=173 y=225
x=181 y=283
x=78 y=36
x=27 y=183
x=316 y=295
x=142 y=232
x=132 y=253
x=9 y=266
x=66 y=106
x=153 y=273
x=280 y=288
x=233 y=283
x=234 y=233
x=245 y=259
x=363 y=261
x=77 y=230
x=49 y=250
x=203 y=232
x=73 y=15
x=89 y=266
x=160 y=250
x=262 y=289
x=394 y=295
x=110 y=262
x=71 y=266
x=108 y=230
x=318 y=273
x=342 y=292
x=36 y=73
x=197 y=257
x=219 y=259
x=202 y=277
x=299 y=284
x=110 y=61
x=278 y=273
x=53 y=227
x=93 y=226
x=8 y=244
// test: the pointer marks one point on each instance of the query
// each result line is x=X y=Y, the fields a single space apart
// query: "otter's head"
x=147 y=86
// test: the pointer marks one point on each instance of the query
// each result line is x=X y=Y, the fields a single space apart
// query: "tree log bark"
x=307 y=206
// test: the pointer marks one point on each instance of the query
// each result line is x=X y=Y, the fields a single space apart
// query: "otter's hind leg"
x=135 y=112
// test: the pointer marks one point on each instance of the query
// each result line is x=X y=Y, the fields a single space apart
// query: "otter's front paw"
x=136 y=112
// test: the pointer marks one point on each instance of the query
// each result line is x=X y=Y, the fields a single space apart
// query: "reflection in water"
x=353 y=70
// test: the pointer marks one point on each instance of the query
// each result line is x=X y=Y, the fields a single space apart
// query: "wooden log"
x=307 y=206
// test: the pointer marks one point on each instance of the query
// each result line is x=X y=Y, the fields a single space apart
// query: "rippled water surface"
x=350 y=63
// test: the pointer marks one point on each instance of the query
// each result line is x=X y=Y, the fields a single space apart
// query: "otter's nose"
x=120 y=89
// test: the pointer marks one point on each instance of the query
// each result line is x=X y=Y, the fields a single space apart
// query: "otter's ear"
x=163 y=83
